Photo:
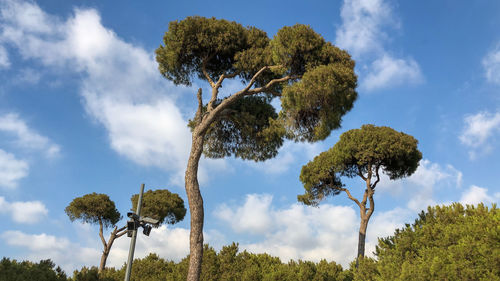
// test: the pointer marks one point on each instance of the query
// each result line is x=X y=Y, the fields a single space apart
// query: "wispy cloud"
x=491 y=64
x=295 y=231
x=44 y=246
x=12 y=170
x=4 y=58
x=120 y=86
x=475 y=195
x=28 y=212
x=12 y=124
x=363 y=34
x=387 y=70
x=420 y=188
x=479 y=132
x=300 y=232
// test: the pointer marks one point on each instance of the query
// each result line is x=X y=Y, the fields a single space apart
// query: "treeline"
x=445 y=243
x=227 y=264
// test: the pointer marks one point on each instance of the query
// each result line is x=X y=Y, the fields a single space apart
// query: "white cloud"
x=362 y=21
x=491 y=64
x=300 y=232
x=363 y=34
x=475 y=195
x=12 y=170
x=121 y=86
x=388 y=71
x=251 y=217
x=12 y=124
x=60 y=250
x=168 y=243
x=4 y=58
x=420 y=187
x=24 y=212
x=478 y=131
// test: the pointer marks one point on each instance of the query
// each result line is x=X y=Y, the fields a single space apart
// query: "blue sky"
x=84 y=109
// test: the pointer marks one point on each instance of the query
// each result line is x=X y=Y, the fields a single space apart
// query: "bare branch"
x=372 y=206
x=378 y=177
x=215 y=93
x=120 y=234
x=101 y=234
x=361 y=174
x=205 y=73
x=350 y=197
x=368 y=191
x=215 y=88
x=224 y=76
x=271 y=83
x=200 y=107
x=213 y=113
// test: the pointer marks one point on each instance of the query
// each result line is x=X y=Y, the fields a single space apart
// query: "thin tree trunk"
x=195 y=208
x=107 y=246
x=362 y=236
x=104 y=257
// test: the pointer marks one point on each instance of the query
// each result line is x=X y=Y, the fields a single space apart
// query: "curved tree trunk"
x=117 y=233
x=195 y=208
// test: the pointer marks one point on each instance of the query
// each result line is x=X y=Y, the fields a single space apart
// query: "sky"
x=83 y=108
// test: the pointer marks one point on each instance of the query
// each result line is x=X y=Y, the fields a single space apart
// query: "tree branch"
x=350 y=196
x=213 y=112
x=361 y=174
x=205 y=73
x=198 y=115
x=120 y=234
x=378 y=177
x=270 y=83
x=101 y=234
x=368 y=191
x=216 y=86
x=372 y=206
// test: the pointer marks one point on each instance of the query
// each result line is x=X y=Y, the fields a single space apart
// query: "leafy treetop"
x=359 y=152
x=92 y=208
x=314 y=80
x=162 y=205
x=452 y=242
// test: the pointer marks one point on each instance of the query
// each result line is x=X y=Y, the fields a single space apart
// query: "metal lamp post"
x=132 y=226
x=134 y=237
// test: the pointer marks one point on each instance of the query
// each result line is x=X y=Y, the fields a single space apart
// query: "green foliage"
x=314 y=106
x=91 y=208
x=445 y=243
x=227 y=265
x=245 y=130
x=318 y=90
x=12 y=270
x=196 y=40
x=359 y=151
x=367 y=269
x=91 y=274
x=161 y=204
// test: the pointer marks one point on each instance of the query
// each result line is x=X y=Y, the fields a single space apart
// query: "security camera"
x=150 y=220
x=147 y=230
x=133 y=215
